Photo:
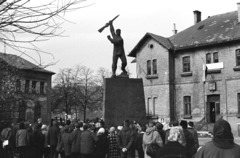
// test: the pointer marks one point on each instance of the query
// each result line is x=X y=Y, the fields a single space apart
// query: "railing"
x=200 y=124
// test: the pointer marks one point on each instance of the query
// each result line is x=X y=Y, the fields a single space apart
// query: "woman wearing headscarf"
x=101 y=144
x=222 y=144
x=173 y=148
x=113 y=150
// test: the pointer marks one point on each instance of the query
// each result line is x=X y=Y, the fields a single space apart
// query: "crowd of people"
x=131 y=139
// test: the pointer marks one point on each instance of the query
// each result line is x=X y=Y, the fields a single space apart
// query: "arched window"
x=149 y=67
x=154 y=66
x=208 y=58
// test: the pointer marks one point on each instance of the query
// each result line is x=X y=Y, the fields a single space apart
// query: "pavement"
x=203 y=141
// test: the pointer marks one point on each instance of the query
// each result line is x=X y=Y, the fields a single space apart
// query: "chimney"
x=197 y=16
x=238 y=5
x=174 y=29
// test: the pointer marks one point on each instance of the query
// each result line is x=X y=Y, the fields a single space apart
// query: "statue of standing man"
x=118 y=50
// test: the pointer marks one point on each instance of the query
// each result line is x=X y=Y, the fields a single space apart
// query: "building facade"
x=32 y=85
x=173 y=71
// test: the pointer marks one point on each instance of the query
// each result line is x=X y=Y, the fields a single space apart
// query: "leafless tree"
x=77 y=89
x=38 y=22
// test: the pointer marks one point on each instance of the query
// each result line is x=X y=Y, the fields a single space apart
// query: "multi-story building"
x=172 y=70
x=32 y=91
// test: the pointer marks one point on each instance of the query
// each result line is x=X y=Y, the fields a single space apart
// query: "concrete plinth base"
x=123 y=99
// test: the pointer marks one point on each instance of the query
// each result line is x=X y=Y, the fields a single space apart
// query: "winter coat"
x=45 y=133
x=101 y=145
x=151 y=136
x=22 y=138
x=88 y=140
x=139 y=142
x=190 y=142
x=76 y=141
x=172 y=149
x=66 y=143
x=126 y=138
x=162 y=134
x=6 y=134
x=14 y=132
x=53 y=133
x=37 y=139
x=222 y=144
x=195 y=137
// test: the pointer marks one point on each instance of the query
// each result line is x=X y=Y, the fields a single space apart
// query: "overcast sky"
x=85 y=45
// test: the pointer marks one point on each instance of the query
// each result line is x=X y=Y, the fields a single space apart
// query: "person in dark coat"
x=53 y=139
x=126 y=141
x=159 y=127
x=76 y=141
x=222 y=144
x=189 y=138
x=195 y=135
x=139 y=142
x=88 y=140
x=66 y=141
x=173 y=149
x=101 y=144
x=37 y=141
x=6 y=136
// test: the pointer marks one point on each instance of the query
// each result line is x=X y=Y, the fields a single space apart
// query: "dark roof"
x=21 y=63
x=165 y=42
x=216 y=29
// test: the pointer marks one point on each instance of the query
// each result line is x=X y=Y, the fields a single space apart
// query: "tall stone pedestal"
x=123 y=99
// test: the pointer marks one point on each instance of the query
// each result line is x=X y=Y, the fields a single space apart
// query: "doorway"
x=213 y=108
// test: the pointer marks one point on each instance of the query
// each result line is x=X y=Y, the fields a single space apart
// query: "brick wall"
x=156 y=87
x=227 y=81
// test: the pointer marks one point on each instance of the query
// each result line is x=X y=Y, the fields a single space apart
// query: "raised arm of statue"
x=112 y=29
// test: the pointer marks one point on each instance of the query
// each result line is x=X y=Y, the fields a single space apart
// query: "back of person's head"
x=222 y=130
x=174 y=134
x=21 y=125
x=54 y=122
x=190 y=123
x=102 y=123
x=175 y=123
x=85 y=127
x=78 y=124
x=159 y=126
x=44 y=127
x=68 y=122
x=183 y=123
x=126 y=123
x=112 y=130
